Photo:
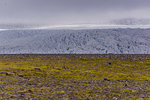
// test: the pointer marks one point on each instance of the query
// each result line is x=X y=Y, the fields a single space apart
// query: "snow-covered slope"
x=99 y=41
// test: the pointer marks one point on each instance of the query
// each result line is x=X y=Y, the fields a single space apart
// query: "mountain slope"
x=100 y=41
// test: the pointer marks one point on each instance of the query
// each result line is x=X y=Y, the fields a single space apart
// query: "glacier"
x=82 y=41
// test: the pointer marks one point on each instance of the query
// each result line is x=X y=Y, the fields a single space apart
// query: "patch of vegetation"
x=66 y=78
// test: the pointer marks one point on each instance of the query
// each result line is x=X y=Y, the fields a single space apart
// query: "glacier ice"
x=83 y=41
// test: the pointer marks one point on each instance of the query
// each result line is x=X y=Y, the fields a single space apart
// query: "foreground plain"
x=75 y=77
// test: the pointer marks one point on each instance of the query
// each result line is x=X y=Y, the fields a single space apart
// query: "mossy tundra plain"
x=75 y=77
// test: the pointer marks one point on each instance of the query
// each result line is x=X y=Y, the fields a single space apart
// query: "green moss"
x=55 y=76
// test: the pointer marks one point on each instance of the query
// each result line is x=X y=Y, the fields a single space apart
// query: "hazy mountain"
x=131 y=21
x=18 y=26
x=100 y=41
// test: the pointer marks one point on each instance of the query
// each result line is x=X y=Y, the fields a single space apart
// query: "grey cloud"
x=70 y=11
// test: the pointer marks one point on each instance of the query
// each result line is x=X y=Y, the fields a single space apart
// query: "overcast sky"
x=71 y=11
